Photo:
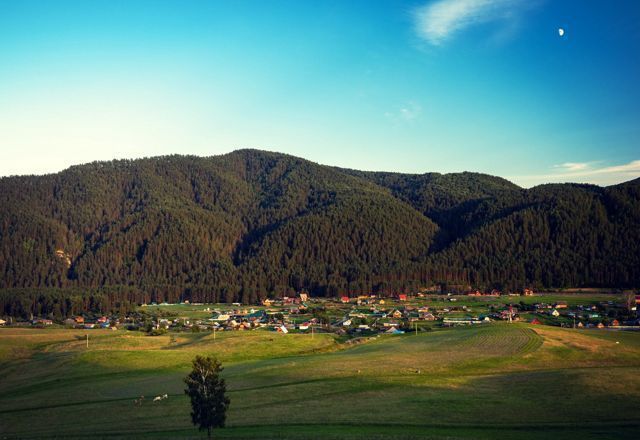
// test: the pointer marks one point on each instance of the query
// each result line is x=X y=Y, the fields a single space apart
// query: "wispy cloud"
x=407 y=112
x=438 y=21
x=584 y=172
x=573 y=166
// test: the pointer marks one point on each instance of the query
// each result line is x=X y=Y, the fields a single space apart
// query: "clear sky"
x=413 y=86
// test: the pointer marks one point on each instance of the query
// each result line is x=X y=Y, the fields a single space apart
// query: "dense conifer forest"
x=253 y=224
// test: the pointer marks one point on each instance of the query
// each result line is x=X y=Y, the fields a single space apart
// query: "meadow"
x=512 y=381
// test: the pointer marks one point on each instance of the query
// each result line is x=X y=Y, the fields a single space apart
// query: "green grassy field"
x=499 y=380
x=481 y=301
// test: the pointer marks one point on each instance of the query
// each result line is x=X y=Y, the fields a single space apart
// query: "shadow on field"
x=193 y=339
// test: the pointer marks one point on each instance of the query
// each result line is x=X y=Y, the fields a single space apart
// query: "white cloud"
x=584 y=172
x=632 y=167
x=407 y=112
x=410 y=112
x=438 y=21
x=573 y=166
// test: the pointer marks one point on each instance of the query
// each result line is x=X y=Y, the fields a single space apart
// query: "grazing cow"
x=157 y=398
x=165 y=396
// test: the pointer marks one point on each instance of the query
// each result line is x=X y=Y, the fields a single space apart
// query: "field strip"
x=63 y=405
x=79 y=380
x=297 y=383
x=274 y=429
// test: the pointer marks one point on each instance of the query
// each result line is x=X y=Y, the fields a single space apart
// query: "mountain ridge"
x=250 y=224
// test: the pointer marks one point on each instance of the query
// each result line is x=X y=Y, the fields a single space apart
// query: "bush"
x=158 y=332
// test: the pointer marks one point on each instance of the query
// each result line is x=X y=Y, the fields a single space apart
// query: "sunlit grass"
x=460 y=382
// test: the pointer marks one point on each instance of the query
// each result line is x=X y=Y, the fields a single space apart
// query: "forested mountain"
x=251 y=224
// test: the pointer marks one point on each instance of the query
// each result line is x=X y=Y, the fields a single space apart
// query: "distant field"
x=192 y=310
x=550 y=298
x=494 y=381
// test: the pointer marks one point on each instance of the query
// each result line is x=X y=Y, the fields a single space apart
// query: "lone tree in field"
x=206 y=389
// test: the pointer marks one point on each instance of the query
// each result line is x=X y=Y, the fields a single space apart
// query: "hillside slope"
x=251 y=223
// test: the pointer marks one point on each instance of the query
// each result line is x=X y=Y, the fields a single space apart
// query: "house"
x=2 y=322
x=528 y=292
x=615 y=323
x=561 y=305
x=600 y=325
x=427 y=316
x=42 y=321
x=282 y=329
x=344 y=299
x=510 y=313
x=267 y=302
x=580 y=325
x=402 y=297
x=221 y=317
x=535 y=321
x=304 y=297
x=257 y=315
x=79 y=320
x=394 y=331
x=304 y=326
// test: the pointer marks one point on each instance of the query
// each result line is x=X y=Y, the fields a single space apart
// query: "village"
x=366 y=315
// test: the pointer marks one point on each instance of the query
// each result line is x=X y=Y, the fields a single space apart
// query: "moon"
x=561 y=32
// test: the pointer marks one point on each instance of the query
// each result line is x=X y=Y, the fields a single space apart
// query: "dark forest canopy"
x=252 y=224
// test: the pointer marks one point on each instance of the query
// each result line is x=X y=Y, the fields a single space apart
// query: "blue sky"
x=415 y=86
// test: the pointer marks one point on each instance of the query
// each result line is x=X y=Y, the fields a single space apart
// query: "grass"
x=500 y=380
